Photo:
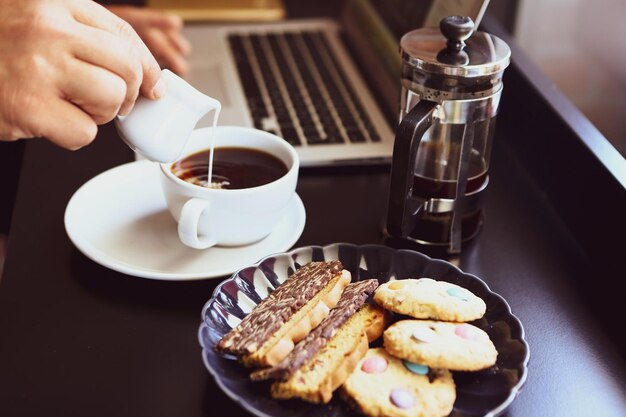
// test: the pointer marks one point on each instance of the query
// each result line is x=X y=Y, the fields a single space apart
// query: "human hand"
x=67 y=66
x=161 y=32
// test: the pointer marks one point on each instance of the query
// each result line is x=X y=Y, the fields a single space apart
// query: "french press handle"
x=403 y=207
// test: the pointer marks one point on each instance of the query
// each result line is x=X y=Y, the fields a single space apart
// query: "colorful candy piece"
x=424 y=334
x=402 y=398
x=467 y=332
x=374 y=365
x=416 y=368
x=457 y=292
x=396 y=285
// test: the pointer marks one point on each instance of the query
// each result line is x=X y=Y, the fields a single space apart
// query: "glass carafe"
x=451 y=87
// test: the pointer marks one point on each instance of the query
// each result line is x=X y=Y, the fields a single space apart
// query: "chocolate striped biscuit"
x=323 y=360
x=267 y=335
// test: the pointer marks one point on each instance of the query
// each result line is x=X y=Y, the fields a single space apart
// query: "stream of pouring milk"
x=212 y=149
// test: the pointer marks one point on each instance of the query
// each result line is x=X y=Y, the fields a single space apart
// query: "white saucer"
x=120 y=220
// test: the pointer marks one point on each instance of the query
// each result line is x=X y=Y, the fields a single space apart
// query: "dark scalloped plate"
x=483 y=393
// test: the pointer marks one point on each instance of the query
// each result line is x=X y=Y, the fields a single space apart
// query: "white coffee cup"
x=159 y=129
x=209 y=216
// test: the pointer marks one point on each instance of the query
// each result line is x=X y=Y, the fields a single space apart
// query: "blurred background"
x=581 y=46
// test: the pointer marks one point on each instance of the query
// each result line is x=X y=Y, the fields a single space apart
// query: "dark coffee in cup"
x=233 y=168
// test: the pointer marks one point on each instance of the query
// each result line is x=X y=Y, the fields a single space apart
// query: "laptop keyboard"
x=296 y=89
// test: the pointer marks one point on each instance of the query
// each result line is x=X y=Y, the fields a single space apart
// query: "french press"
x=451 y=87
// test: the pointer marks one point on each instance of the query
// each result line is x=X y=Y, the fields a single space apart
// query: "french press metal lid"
x=451 y=87
x=455 y=49
x=452 y=62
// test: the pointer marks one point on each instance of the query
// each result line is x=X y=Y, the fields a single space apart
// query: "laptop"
x=328 y=87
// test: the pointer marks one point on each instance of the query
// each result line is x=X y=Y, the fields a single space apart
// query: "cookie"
x=326 y=370
x=267 y=335
x=426 y=298
x=438 y=344
x=385 y=386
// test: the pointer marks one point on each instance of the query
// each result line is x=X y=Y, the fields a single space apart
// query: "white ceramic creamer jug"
x=159 y=129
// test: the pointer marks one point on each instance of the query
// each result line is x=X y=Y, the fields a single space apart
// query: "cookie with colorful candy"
x=383 y=385
x=426 y=298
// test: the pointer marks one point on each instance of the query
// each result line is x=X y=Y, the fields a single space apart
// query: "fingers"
x=92 y=14
x=69 y=113
x=62 y=123
x=92 y=47
x=161 y=32
x=97 y=91
x=179 y=41
x=166 y=51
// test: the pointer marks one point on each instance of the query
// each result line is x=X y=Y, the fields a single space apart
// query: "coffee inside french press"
x=451 y=87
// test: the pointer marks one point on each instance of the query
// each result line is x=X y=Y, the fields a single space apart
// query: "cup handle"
x=402 y=208
x=188 y=224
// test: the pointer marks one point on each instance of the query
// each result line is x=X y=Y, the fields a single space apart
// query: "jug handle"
x=402 y=207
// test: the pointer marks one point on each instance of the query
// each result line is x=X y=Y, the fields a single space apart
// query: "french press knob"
x=451 y=87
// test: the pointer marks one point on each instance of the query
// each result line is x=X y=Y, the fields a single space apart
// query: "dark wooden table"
x=78 y=339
